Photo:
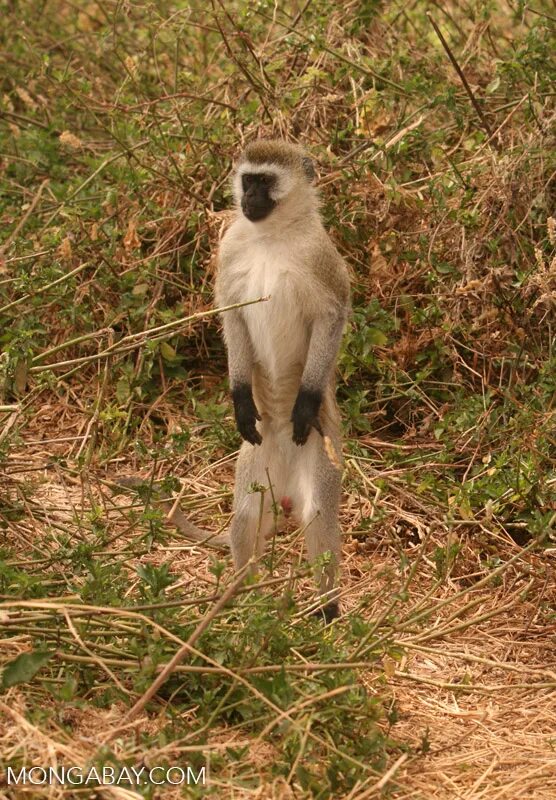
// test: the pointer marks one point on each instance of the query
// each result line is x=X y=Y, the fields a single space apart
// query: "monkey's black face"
x=256 y=202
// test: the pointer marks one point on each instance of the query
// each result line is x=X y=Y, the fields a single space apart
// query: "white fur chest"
x=277 y=328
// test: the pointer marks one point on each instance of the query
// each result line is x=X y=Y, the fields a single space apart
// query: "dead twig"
x=461 y=75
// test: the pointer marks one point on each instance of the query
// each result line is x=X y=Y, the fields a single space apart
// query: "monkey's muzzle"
x=254 y=213
x=256 y=205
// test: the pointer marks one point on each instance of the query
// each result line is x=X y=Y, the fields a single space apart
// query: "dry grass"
x=474 y=691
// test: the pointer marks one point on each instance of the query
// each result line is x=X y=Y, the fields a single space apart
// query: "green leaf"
x=24 y=668
x=167 y=351
x=376 y=336
x=444 y=268
x=123 y=389
x=493 y=85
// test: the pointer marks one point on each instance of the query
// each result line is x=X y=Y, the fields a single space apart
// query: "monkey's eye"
x=258 y=179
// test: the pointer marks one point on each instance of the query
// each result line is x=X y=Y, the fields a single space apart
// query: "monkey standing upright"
x=282 y=352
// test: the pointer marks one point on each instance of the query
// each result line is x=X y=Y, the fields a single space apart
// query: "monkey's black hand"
x=246 y=413
x=305 y=414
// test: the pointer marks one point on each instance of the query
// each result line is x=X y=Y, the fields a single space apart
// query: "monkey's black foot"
x=328 y=612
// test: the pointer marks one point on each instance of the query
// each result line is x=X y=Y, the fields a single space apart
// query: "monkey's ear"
x=309 y=169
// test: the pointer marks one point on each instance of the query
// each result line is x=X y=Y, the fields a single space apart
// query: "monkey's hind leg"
x=318 y=508
x=254 y=516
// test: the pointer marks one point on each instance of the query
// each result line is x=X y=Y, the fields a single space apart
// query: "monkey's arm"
x=240 y=368
x=325 y=340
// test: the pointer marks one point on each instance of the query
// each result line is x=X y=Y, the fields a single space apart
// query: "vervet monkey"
x=282 y=354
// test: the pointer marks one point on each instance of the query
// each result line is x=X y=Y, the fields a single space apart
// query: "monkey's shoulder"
x=330 y=270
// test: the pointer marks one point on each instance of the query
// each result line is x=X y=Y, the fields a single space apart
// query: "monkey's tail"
x=190 y=531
